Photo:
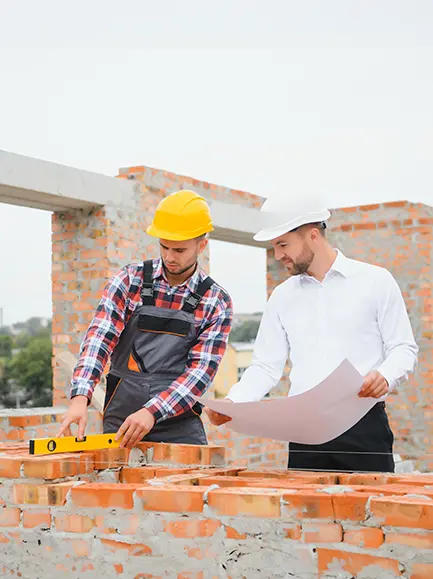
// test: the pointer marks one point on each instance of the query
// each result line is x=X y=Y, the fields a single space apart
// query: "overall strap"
x=194 y=299
x=146 y=293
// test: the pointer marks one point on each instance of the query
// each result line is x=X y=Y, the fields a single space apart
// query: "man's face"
x=295 y=251
x=180 y=256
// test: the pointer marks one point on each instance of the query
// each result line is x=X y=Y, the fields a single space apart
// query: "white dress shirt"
x=357 y=312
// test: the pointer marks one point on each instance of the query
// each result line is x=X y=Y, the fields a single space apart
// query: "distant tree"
x=29 y=375
x=6 y=346
x=24 y=337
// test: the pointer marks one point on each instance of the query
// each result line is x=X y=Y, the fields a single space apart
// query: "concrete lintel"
x=235 y=223
x=44 y=185
x=41 y=184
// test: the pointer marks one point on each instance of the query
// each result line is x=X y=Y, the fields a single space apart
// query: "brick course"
x=208 y=521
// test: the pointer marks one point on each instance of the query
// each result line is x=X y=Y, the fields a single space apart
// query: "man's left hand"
x=135 y=427
x=374 y=386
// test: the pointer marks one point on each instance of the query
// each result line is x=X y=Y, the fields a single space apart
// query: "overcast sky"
x=273 y=97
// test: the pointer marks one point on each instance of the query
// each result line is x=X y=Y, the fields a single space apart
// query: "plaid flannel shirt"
x=213 y=318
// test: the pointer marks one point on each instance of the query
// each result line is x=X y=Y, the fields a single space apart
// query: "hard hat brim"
x=270 y=233
x=177 y=236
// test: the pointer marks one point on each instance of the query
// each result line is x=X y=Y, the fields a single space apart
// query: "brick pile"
x=175 y=511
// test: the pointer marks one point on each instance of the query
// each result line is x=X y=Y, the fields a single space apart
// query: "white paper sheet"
x=314 y=417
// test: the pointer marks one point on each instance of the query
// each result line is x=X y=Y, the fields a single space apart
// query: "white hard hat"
x=279 y=217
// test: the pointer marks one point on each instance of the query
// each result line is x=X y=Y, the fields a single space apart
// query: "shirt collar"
x=342 y=265
x=191 y=283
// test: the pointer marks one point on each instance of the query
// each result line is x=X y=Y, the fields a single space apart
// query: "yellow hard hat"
x=180 y=216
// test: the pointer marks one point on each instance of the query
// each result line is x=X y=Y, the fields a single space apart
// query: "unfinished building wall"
x=174 y=512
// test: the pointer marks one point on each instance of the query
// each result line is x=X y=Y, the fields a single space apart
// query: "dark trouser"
x=367 y=446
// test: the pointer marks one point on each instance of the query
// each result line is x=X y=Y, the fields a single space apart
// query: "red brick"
x=367 y=537
x=136 y=550
x=364 y=226
x=79 y=547
x=104 y=495
x=371 y=207
x=9 y=517
x=10 y=467
x=422 y=571
x=322 y=533
x=40 y=494
x=417 y=540
x=353 y=563
x=24 y=421
x=36 y=518
x=73 y=523
x=294 y=532
x=188 y=529
x=403 y=512
x=232 y=533
x=172 y=499
x=309 y=505
x=55 y=467
x=263 y=503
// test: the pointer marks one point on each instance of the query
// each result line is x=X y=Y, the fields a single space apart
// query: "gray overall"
x=151 y=353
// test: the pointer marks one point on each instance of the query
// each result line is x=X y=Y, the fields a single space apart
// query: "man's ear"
x=202 y=244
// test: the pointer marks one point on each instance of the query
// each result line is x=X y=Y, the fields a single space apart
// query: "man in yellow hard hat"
x=164 y=325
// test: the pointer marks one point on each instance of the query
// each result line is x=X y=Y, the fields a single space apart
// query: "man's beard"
x=183 y=270
x=303 y=263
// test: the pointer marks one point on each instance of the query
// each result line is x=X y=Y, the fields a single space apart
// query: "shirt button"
x=169 y=293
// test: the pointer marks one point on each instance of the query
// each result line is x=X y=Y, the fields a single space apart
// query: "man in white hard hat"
x=330 y=308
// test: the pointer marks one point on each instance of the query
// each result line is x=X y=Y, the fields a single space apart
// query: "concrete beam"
x=235 y=223
x=43 y=185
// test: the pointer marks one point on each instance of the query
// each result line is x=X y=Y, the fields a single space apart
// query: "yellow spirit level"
x=72 y=444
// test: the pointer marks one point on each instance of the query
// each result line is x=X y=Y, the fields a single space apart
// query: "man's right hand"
x=216 y=418
x=77 y=413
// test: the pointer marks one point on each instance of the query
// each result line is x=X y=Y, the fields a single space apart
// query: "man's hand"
x=135 y=427
x=77 y=413
x=374 y=386
x=216 y=418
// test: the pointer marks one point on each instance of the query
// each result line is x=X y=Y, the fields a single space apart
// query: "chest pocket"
x=157 y=325
x=161 y=343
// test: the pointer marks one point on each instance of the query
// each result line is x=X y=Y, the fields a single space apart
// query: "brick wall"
x=174 y=511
